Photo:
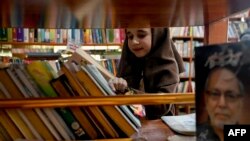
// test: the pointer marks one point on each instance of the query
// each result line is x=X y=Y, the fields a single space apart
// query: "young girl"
x=149 y=56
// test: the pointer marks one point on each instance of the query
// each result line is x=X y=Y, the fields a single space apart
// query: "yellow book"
x=37 y=126
x=94 y=110
x=112 y=111
x=9 y=126
x=43 y=74
x=14 y=116
x=4 y=135
x=83 y=120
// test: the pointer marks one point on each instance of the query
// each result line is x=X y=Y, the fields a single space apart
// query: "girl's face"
x=139 y=41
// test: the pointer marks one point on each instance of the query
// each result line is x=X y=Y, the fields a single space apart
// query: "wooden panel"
x=145 y=99
x=115 y=13
x=216 y=32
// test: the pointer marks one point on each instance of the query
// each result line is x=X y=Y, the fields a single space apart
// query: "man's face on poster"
x=223 y=97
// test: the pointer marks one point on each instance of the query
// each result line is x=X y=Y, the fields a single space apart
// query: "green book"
x=42 y=75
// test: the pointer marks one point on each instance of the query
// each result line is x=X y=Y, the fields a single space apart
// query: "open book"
x=183 y=124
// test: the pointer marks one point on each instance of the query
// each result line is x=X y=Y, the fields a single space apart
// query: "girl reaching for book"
x=150 y=58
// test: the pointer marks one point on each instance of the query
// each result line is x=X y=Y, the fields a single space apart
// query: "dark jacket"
x=159 y=69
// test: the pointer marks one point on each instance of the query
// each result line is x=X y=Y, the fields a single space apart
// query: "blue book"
x=20 y=34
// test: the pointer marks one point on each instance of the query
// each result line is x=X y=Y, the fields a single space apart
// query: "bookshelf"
x=50 y=44
x=113 y=14
x=185 y=39
x=237 y=25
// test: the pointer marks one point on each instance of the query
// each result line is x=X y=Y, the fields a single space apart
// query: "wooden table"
x=157 y=130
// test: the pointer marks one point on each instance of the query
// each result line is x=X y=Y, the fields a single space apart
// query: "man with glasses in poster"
x=224 y=101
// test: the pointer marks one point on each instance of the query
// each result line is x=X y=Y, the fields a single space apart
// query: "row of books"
x=236 y=28
x=111 y=65
x=38 y=79
x=194 y=31
x=186 y=86
x=184 y=47
x=189 y=66
x=60 y=36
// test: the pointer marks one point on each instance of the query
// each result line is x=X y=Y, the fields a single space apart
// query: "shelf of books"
x=185 y=39
x=81 y=112
x=237 y=25
x=18 y=44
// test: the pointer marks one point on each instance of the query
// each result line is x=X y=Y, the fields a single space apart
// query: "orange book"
x=36 y=125
x=4 y=135
x=15 y=117
x=62 y=91
x=113 y=112
x=94 y=111
x=10 y=126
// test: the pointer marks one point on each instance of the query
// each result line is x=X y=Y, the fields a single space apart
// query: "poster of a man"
x=221 y=78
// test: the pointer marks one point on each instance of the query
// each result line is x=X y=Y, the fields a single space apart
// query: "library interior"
x=57 y=58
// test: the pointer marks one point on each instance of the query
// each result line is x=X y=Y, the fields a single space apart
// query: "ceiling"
x=115 y=13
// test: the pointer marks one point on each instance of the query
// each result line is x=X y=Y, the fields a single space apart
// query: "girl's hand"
x=118 y=84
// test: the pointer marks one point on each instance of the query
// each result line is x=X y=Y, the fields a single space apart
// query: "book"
x=53 y=125
x=30 y=118
x=47 y=131
x=62 y=91
x=222 y=79
x=112 y=111
x=20 y=34
x=80 y=55
x=15 y=116
x=9 y=126
x=102 y=123
x=42 y=76
x=3 y=34
x=4 y=135
x=104 y=84
x=182 y=124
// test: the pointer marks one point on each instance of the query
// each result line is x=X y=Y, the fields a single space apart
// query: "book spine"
x=39 y=71
x=20 y=34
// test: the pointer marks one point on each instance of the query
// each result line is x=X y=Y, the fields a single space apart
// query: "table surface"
x=157 y=130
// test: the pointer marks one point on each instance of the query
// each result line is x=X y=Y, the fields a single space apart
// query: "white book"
x=183 y=124
x=26 y=35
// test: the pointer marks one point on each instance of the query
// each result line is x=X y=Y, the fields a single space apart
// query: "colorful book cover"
x=42 y=75
x=61 y=86
x=222 y=88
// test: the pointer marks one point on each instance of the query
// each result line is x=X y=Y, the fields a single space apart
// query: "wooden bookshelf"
x=185 y=39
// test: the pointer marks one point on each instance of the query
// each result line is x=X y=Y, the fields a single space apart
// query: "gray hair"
x=240 y=84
